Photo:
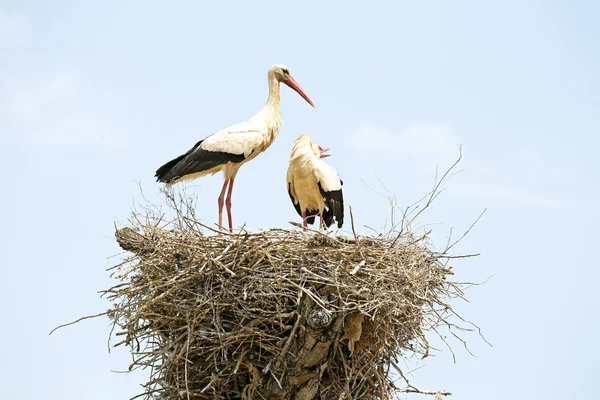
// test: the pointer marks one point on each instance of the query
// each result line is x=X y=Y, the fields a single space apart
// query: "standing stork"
x=227 y=150
x=314 y=187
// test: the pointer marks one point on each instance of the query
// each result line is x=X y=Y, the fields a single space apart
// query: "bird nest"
x=278 y=314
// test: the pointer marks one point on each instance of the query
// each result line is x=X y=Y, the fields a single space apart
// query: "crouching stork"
x=314 y=187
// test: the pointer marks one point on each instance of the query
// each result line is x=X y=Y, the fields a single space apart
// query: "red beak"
x=294 y=85
x=324 y=151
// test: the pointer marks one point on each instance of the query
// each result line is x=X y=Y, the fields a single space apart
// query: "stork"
x=227 y=150
x=314 y=187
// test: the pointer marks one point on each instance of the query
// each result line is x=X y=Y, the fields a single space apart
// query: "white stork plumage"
x=314 y=187
x=230 y=148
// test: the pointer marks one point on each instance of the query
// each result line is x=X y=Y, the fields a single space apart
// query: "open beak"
x=294 y=85
x=324 y=152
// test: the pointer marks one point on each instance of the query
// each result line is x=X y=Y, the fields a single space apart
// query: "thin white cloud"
x=79 y=129
x=519 y=177
x=15 y=30
x=511 y=194
x=435 y=141
x=59 y=109
x=34 y=95
x=522 y=177
x=526 y=157
x=51 y=108
x=522 y=164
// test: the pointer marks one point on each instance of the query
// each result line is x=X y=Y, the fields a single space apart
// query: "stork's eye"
x=286 y=72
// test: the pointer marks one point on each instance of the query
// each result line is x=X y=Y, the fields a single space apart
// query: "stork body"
x=230 y=148
x=314 y=187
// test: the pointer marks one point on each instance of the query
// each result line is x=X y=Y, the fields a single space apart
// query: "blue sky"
x=94 y=96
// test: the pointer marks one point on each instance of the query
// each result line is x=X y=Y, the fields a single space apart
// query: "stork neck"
x=274 y=97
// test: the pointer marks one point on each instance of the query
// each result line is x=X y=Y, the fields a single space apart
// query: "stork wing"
x=310 y=214
x=294 y=201
x=240 y=139
x=289 y=178
x=230 y=145
x=330 y=186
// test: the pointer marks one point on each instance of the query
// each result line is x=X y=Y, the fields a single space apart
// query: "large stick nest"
x=279 y=314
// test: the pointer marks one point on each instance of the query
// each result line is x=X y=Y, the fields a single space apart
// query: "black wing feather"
x=195 y=160
x=335 y=206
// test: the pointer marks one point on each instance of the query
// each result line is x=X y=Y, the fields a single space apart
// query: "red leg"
x=304 y=224
x=228 y=205
x=321 y=222
x=221 y=196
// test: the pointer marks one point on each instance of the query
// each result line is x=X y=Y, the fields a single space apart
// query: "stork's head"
x=282 y=74
x=305 y=146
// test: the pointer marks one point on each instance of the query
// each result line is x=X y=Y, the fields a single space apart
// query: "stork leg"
x=228 y=204
x=304 y=224
x=221 y=202
x=321 y=221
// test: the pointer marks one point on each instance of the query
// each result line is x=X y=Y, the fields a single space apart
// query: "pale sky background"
x=94 y=96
